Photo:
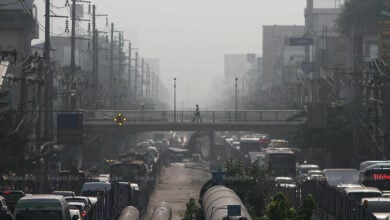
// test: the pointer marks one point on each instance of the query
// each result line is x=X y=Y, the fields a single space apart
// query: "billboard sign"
x=70 y=128
x=300 y=41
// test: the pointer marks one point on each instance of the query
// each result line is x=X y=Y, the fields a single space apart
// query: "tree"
x=251 y=184
x=359 y=15
x=308 y=208
x=192 y=211
x=11 y=142
x=338 y=127
x=279 y=209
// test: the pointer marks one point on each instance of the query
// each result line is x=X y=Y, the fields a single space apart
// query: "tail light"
x=83 y=214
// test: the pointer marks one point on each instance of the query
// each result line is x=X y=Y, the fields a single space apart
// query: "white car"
x=286 y=182
x=379 y=206
x=75 y=214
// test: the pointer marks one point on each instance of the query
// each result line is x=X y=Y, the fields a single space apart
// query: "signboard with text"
x=70 y=128
x=300 y=41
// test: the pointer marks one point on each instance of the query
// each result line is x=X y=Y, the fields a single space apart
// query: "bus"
x=135 y=171
x=280 y=162
x=375 y=177
x=249 y=145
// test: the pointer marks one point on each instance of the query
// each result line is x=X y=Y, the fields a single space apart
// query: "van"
x=357 y=193
x=53 y=207
x=95 y=188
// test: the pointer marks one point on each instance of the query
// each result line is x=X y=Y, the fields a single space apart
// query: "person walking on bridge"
x=197 y=113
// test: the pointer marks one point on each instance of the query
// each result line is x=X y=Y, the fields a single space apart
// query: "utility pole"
x=236 y=101
x=142 y=78
x=48 y=117
x=136 y=77
x=174 y=99
x=147 y=82
x=73 y=39
x=112 y=65
x=129 y=76
x=120 y=52
x=95 y=61
x=152 y=85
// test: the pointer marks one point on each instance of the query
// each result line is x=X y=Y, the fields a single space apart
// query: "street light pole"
x=235 y=109
x=174 y=99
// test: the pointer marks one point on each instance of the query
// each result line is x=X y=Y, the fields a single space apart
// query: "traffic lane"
x=176 y=185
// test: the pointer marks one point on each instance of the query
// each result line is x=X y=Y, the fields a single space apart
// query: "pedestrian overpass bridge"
x=276 y=122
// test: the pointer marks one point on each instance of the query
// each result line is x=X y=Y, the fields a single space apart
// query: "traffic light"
x=120 y=119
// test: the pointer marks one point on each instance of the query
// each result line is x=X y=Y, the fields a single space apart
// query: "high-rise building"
x=237 y=65
x=273 y=46
x=18 y=26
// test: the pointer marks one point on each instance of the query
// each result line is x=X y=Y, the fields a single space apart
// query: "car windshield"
x=11 y=196
x=378 y=206
x=359 y=195
x=92 y=193
x=284 y=181
x=77 y=200
x=41 y=215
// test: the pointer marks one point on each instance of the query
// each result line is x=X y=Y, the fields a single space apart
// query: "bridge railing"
x=189 y=116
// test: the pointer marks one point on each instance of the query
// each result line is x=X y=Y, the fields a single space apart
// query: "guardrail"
x=335 y=202
x=189 y=116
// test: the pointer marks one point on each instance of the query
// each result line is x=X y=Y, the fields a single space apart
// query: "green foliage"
x=11 y=143
x=339 y=124
x=251 y=184
x=359 y=15
x=308 y=208
x=192 y=211
x=279 y=209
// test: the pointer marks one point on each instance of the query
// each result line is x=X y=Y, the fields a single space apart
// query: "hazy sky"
x=191 y=37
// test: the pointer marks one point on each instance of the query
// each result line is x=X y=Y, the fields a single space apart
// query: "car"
x=285 y=182
x=92 y=200
x=357 y=193
x=264 y=141
x=378 y=206
x=64 y=193
x=341 y=187
x=4 y=208
x=42 y=206
x=302 y=170
x=95 y=188
x=80 y=206
x=154 y=152
x=82 y=199
x=276 y=143
x=74 y=214
x=317 y=177
x=311 y=172
x=101 y=178
x=12 y=197
x=236 y=144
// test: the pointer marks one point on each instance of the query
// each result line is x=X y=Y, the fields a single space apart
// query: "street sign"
x=218 y=177
x=234 y=210
x=70 y=128
x=300 y=41
x=307 y=67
